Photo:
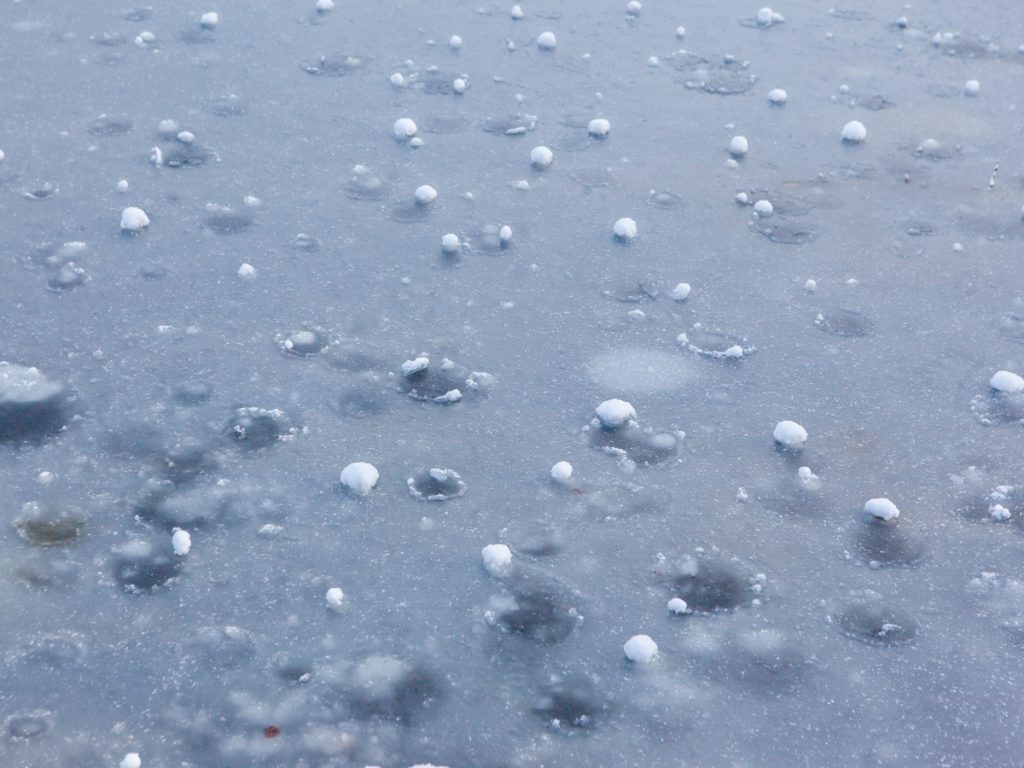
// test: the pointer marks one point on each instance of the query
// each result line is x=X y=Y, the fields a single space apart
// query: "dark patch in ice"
x=108 y=39
x=410 y=212
x=31 y=406
x=882 y=544
x=708 y=583
x=434 y=82
x=196 y=508
x=592 y=178
x=231 y=105
x=198 y=36
x=65 y=277
x=61 y=262
x=30 y=725
x=136 y=14
x=337 y=65
x=917 y=228
x=180 y=155
x=141 y=566
x=191 y=393
x=1011 y=326
x=639 y=445
x=440 y=382
x=227 y=647
x=306 y=342
x=993 y=408
x=943 y=91
x=510 y=125
x=367 y=398
x=574 y=141
x=52 y=650
x=488 y=239
x=762 y=660
x=41 y=192
x=871 y=620
x=634 y=292
x=788 y=232
x=353 y=356
x=534 y=609
x=436 y=484
x=847 y=323
x=792 y=498
x=974 y=221
x=965 y=46
x=665 y=199
x=228 y=222
x=46 y=572
x=625 y=501
x=47 y=526
x=390 y=689
x=110 y=125
x=253 y=428
x=364 y=184
x=850 y=14
x=293 y=671
x=539 y=541
x=573 y=701
x=724 y=77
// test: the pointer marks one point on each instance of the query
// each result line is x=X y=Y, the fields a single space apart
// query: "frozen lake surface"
x=433 y=246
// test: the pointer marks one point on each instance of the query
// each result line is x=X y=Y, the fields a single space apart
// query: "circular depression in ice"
x=641 y=370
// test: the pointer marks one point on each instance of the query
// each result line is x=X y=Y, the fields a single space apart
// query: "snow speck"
x=777 y=96
x=625 y=229
x=633 y=7
x=766 y=17
x=450 y=243
x=678 y=606
x=360 y=477
x=409 y=367
x=789 y=434
x=131 y=760
x=122 y=185
x=247 y=271
x=854 y=132
x=764 y=208
x=1007 y=381
x=134 y=219
x=209 y=20
x=561 y=471
x=640 y=649
x=323 y=6
x=517 y=14
x=882 y=509
x=181 y=541
x=455 y=42
x=496 y=558
x=972 y=88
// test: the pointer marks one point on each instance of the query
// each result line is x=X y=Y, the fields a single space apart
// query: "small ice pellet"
x=678 y=606
x=640 y=649
x=360 y=477
x=972 y=87
x=415 y=142
x=45 y=477
x=804 y=473
x=999 y=513
x=1007 y=381
x=764 y=208
x=681 y=292
x=653 y=61
x=599 y=127
x=186 y=137
x=882 y=509
x=2 y=155
x=425 y=194
x=459 y=85
x=122 y=186
x=742 y=198
x=777 y=96
x=625 y=229
x=854 y=132
x=789 y=434
x=397 y=80
x=450 y=243
x=505 y=234
x=734 y=352
x=517 y=12
x=633 y=8
x=131 y=760
x=454 y=42
x=496 y=558
x=181 y=541
x=323 y=6
x=811 y=286
x=409 y=367
x=614 y=413
x=561 y=471
x=739 y=146
x=134 y=219
x=168 y=126
x=335 y=598
x=546 y=41
x=209 y=20
x=247 y=271
x=404 y=128
x=541 y=157
x=680 y=32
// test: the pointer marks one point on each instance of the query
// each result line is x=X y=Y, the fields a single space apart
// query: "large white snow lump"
x=789 y=434
x=882 y=509
x=360 y=477
x=134 y=219
x=614 y=413
x=854 y=132
x=625 y=229
x=1007 y=381
x=640 y=649
x=497 y=558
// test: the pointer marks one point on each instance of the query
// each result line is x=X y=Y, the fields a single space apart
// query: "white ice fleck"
x=764 y=209
x=546 y=41
x=541 y=157
x=517 y=12
x=777 y=96
x=625 y=229
x=122 y=186
x=972 y=88
x=131 y=760
x=425 y=194
x=455 y=42
x=450 y=243
x=335 y=598
x=1007 y=381
x=681 y=292
x=404 y=128
x=561 y=471
x=599 y=127
x=247 y=271
x=209 y=20
x=409 y=367
x=739 y=146
x=678 y=606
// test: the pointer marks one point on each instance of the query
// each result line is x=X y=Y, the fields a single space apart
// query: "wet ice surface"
x=149 y=387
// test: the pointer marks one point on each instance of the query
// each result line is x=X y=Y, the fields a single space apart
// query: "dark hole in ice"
x=571 y=702
x=140 y=566
x=294 y=672
x=49 y=527
x=31 y=725
x=253 y=428
x=665 y=199
x=227 y=647
x=40 y=192
x=363 y=399
x=535 y=610
x=639 y=445
x=108 y=39
x=31 y=406
x=65 y=277
x=47 y=572
x=488 y=239
x=993 y=408
x=436 y=83
x=198 y=36
x=53 y=650
x=364 y=184
x=110 y=125
x=385 y=687
x=339 y=65
x=227 y=106
x=181 y=155
x=883 y=544
x=762 y=660
x=846 y=323
x=436 y=485
x=709 y=342
x=191 y=393
x=187 y=460
x=873 y=622
x=228 y=223
x=423 y=380
x=409 y=212
x=708 y=584
x=510 y=125
x=136 y=14
x=788 y=233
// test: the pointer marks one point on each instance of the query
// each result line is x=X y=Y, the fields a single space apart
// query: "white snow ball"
x=789 y=434
x=640 y=649
x=546 y=41
x=360 y=477
x=247 y=271
x=517 y=12
x=811 y=286
x=541 y=157
x=425 y=194
x=882 y=508
x=133 y=219
x=497 y=558
x=678 y=606
x=209 y=20
x=742 y=198
x=766 y=17
x=633 y=7
x=122 y=186
x=625 y=229
x=181 y=541
x=614 y=413
x=335 y=597
x=2 y=155
x=415 y=142
x=397 y=80
x=561 y=471
x=409 y=367
x=777 y=96
x=972 y=87
x=735 y=352
x=681 y=292
x=404 y=128
x=854 y=132
x=1007 y=381
x=454 y=42
x=804 y=473
x=599 y=127
x=131 y=760
x=653 y=61
x=168 y=126
x=459 y=85
x=186 y=137
x=764 y=208
x=450 y=243
x=505 y=234
x=323 y=6
x=739 y=146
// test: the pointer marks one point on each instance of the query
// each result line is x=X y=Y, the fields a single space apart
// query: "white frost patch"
x=854 y=132
x=134 y=219
x=360 y=477
x=614 y=413
x=882 y=509
x=451 y=396
x=1007 y=381
x=181 y=541
x=789 y=434
x=625 y=229
x=409 y=367
x=640 y=649
x=561 y=471
x=497 y=558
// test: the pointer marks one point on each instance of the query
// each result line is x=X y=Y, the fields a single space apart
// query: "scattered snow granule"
x=247 y=271
x=360 y=477
x=133 y=219
x=335 y=597
x=45 y=477
x=614 y=413
x=122 y=186
x=678 y=606
x=425 y=194
x=2 y=155
x=186 y=137
x=739 y=146
x=640 y=649
x=181 y=541
x=972 y=88
x=455 y=42
x=561 y=471
x=131 y=760
x=541 y=157
x=882 y=508
x=742 y=495
x=854 y=132
x=451 y=396
x=497 y=558
x=1007 y=381
x=625 y=229
x=599 y=127
x=777 y=96
x=789 y=434
x=546 y=41
x=742 y=198
x=323 y=6
x=404 y=128
x=653 y=61
x=209 y=20
x=409 y=367
x=681 y=292
x=450 y=243
x=764 y=208
x=766 y=17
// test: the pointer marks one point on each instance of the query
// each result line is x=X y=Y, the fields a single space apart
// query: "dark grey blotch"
x=640 y=445
x=536 y=610
x=337 y=65
x=434 y=82
x=762 y=660
x=252 y=428
x=191 y=393
x=571 y=702
x=108 y=39
x=666 y=199
x=32 y=407
x=873 y=621
x=49 y=526
x=410 y=212
x=228 y=222
x=362 y=400
x=136 y=14
x=883 y=544
x=708 y=583
x=110 y=125
x=180 y=155
x=52 y=650
x=1010 y=326
x=845 y=323
x=231 y=105
x=143 y=566
x=227 y=647
x=993 y=408
x=30 y=725
x=187 y=460
x=198 y=36
x=386 y=688
x=41 y=192
x=788 y=233
x=365 y=184
x=436 y=484
x=510 y=125
x=203 y=507
x=433 y=382
x=65 y=277
x=488 y=239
